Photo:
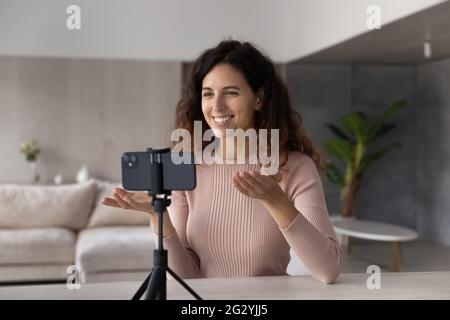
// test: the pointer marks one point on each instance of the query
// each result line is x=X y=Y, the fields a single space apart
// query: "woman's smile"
x=222 y=121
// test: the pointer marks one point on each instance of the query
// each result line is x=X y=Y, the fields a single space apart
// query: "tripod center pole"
x=160 y=225
x=156 y=170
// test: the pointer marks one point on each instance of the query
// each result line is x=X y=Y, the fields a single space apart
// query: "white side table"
x=377 y=231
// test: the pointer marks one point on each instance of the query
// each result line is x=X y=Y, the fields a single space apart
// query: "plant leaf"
x=338 y=131
x=369 y=159
x=334 y=174
x=385 y=128
x=389 y=112
x=355 y=122
x=341 y=149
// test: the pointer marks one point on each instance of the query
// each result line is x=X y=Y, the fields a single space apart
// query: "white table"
x=377 y=231
x=399 y=285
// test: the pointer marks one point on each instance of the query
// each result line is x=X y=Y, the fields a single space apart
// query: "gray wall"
x=324 y=92
x=83 y=111
x=433 y=150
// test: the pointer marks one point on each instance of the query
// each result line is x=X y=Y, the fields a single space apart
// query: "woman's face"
x=228 y=102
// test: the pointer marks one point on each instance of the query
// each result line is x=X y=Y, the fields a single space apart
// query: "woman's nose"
x=218 y=104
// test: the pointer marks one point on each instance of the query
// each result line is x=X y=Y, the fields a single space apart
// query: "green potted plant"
x=350 y=150
x=31 y=151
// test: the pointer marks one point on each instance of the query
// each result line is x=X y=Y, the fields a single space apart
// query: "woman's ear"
x=259 y=99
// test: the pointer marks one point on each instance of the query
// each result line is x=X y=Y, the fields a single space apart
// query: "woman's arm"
x=302 y=216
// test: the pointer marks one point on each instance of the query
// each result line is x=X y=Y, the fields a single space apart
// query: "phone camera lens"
x=133 y=158
x=125 y=158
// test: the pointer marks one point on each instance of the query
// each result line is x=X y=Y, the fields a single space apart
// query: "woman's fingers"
x=110 y=202
x=122 y=192
x=267 y=182
x=138 y=196
x=238 y=185
x=132 y=201
x=257 y=181
x=258 y=177
x=129 y=200
x=121 y=202
x=145 y=205
x=244 y=183
x=256 y=185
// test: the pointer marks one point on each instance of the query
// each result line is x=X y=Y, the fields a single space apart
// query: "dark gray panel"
x=393 y=208
x=434 y=218
x=378 y=86
x=433 y=151
x=319 y=85
x=433 y=84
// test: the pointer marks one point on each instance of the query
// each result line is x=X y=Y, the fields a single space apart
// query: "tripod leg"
x=184 y=284
x=156 y=286
x=142 y=288
x=162 y=294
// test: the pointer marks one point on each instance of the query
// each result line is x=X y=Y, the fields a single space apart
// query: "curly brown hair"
x=259 y=71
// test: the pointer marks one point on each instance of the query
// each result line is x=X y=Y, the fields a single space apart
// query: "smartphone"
x=136 y=173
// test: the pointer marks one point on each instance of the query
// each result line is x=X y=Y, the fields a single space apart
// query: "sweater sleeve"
x=311 y=234
x=181 y=257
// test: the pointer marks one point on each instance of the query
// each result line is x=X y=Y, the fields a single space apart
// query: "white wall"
x=145 y=29
x=311 y=26
x=181 y=29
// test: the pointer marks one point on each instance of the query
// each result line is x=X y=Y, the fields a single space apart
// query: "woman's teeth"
x=222 y=120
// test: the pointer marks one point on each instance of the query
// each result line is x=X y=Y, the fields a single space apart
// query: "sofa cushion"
x=35 y=246
x=106 y=216
x=115 y=249
x=29 y=206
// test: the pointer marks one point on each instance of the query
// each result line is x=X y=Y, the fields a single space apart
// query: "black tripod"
x=154 y=285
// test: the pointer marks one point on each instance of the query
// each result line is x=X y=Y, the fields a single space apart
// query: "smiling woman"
x=238 y=221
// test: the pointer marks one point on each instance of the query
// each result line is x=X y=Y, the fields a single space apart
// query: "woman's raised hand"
x=129 y=200
x=141 y=202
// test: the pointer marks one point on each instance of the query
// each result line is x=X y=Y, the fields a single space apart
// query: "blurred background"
x=83 y=81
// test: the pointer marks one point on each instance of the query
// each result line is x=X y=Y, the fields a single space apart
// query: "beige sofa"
x=47 y=233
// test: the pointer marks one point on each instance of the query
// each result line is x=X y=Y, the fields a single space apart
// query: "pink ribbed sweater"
x=223 y=233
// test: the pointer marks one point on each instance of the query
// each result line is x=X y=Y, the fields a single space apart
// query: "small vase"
x=35 y=178
x=83 y=174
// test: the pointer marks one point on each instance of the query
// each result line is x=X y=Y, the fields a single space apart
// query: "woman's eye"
x=210 y=94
